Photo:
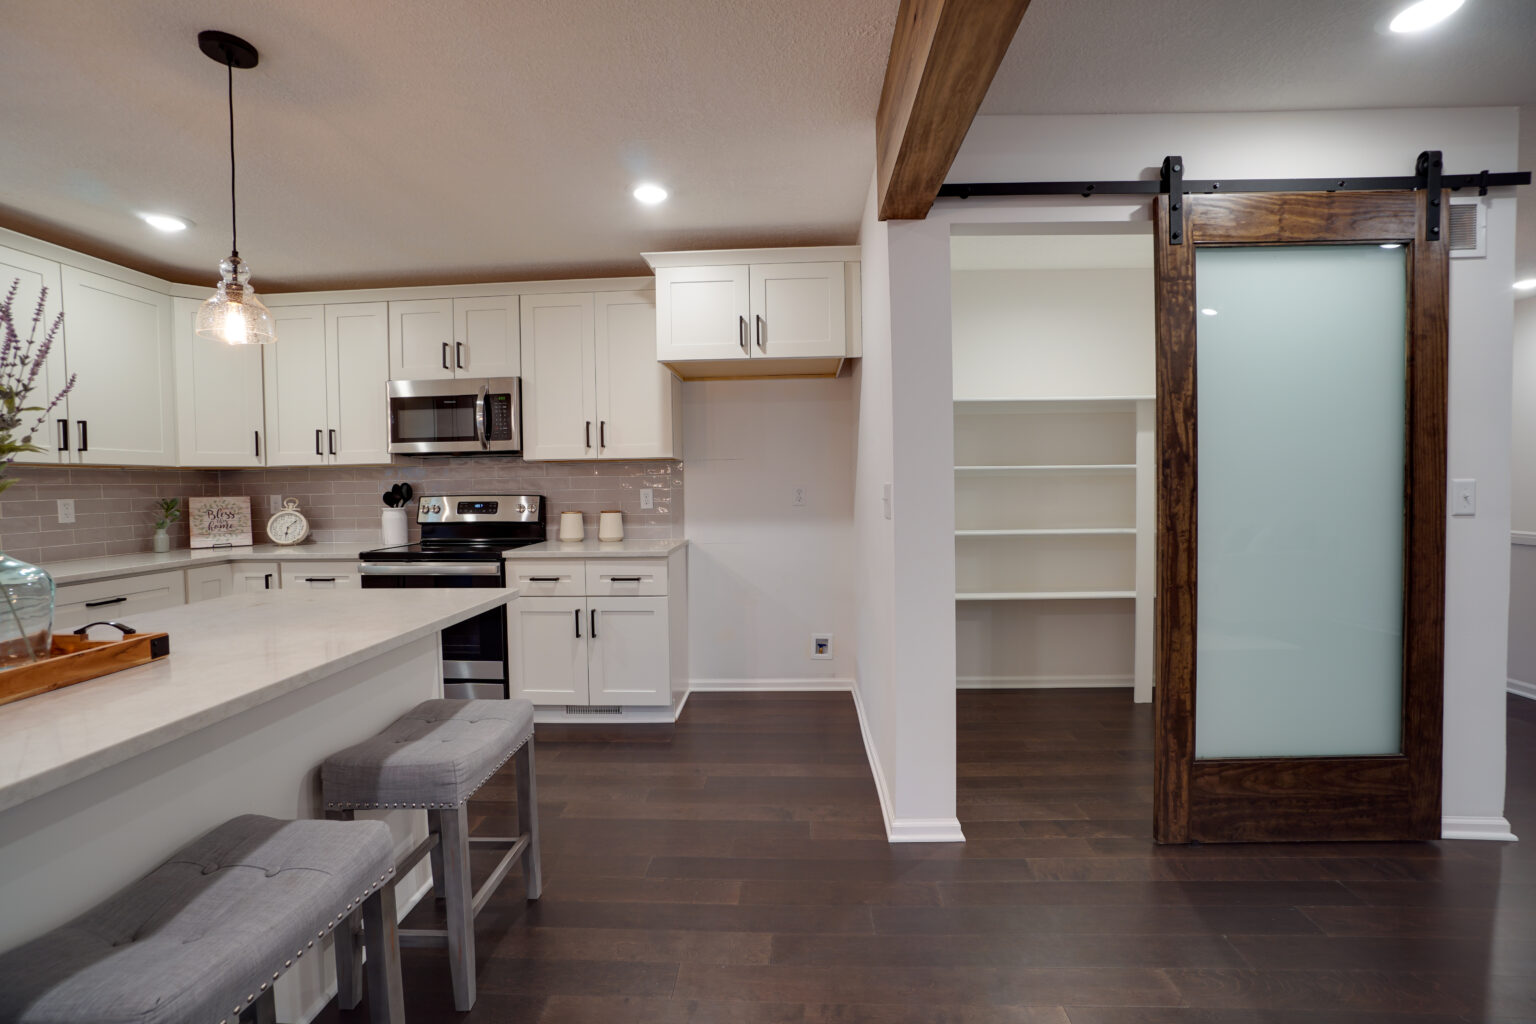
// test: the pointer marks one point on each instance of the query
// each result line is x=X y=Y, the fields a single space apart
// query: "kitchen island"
x=101 y=780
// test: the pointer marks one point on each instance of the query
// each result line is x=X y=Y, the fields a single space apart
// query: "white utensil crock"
x=396 y=529
x=610 y=526
x=570 y=526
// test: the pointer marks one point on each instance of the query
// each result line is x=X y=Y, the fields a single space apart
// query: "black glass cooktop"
x=488 y=550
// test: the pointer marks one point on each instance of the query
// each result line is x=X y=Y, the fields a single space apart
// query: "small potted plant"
x=169 y=510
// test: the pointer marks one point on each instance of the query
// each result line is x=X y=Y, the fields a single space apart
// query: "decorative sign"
x=219 y=522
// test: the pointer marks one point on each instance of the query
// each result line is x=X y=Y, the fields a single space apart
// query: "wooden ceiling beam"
x=943 y=56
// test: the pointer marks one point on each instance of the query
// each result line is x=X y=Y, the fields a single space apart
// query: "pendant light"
x=233 y=314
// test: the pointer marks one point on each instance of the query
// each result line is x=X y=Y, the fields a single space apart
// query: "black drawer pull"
x=623 y=579
x=543 y=579
x=105 y=601
x=319 y=579
x=266 y=581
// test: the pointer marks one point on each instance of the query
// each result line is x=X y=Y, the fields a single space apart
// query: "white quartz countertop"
x=593 y=548
x=227 y=655
x=84 y=570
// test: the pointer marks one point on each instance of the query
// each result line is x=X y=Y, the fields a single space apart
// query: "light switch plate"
x=66 y=510
x=797 y=496
x=1463 y=497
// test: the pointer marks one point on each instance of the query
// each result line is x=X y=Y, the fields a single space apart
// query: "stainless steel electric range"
x=462 y=540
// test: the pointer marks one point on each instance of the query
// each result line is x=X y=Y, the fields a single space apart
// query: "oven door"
x=433 y=417
x=475 y=650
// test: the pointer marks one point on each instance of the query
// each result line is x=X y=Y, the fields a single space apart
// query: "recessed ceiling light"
x=650 y=194
x=1526 y=285
x=1424 y=14
x=164 y=222
x=1207 y=311
x=1391 y=245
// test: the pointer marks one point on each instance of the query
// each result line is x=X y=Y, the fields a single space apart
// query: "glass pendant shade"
x=234 y=314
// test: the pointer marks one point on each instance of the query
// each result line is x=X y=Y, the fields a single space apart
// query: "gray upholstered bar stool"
x=435 y=757
x=203 y=938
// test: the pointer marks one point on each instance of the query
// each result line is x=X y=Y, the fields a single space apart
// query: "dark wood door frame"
x=1268 y=799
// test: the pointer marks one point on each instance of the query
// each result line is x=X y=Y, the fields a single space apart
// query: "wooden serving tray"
x=74 y=658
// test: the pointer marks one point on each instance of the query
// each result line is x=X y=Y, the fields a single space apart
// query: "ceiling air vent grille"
x=1468 y=227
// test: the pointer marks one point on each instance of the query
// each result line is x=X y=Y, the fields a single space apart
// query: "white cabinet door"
x=635 y=407
x=218 y=395
x=486 y=337
x=357 y=346
x=320 y=576
x=797 y=310
x=627 y=651
x=559 y=383
x=255 y=576
x=297 y=395
x=123 y=405
x=547 y=649
x=32 y=275
x=207 y=582
x=701 y=313
x=421 y=339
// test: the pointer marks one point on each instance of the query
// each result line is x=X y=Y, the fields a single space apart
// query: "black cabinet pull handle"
x=589 y=433
x=602 y=434
x=266 y=581
x=445 y=357
x=760 y=345
x=105 y=601
x=578 y=623
x=319 y=579
x=63 y=435
x=333 y=442
x=258 y=442
x=741 y=336
x=318 y=442
x=594 y=623
x=84 y=442
x=458 y=354
x=543 y=579
x=623 y=579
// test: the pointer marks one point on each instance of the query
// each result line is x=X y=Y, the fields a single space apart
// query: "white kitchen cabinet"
x=254 y=576
x=98 y=601
x=219 y=415
x=756 y=313
x=560 y=382
x=547 y=649
x=207 y=582
x=592 y=388
x=32 y=275
x=438 y=339
x=119 y=345
x=320 y=576
x=325 y=381
x=627 y=653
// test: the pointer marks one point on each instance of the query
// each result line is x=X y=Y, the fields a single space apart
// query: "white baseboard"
x=1496 y=829
x=1043 y=682
x=791 y=685
x=1520 y=689
x=901 y=830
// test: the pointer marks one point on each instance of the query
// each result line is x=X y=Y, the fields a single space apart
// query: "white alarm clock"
x=288 y=526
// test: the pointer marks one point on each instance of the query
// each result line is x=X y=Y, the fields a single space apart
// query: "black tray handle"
x=124 y=629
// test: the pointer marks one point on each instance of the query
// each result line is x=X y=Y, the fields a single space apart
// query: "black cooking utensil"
x=406 y=493
x=389 y=499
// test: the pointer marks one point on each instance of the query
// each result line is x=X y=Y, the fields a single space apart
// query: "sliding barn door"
x=1301 y=394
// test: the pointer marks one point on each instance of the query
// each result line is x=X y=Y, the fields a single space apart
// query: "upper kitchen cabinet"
x=438 y=339
x=123 y=405
x=219 y=416
x=757 y=313
x=325 y=381
x=592 y=388
x=32 y=275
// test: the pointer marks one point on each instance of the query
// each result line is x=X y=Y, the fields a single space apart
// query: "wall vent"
x=1468 y=234
x=593 y=709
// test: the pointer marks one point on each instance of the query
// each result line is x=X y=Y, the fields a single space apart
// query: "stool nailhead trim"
x=342 y=806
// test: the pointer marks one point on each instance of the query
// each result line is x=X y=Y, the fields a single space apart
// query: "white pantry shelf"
x=1024 y=470
x=1086 y=531
x=1050 y=595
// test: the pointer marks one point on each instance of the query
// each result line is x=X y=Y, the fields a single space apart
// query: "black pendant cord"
x=234 y=222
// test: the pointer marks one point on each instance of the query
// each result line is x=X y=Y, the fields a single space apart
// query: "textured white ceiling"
x=1189 y=56
x=394 y=140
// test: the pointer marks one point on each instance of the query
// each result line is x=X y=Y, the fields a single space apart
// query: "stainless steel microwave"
x=464 y=415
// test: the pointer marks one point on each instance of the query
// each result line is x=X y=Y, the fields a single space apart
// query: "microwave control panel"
x=498 y=417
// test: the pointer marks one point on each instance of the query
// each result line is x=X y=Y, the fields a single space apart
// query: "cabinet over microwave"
x=464 y=415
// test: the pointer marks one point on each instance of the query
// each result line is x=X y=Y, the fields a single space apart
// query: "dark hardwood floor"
x=734 y=869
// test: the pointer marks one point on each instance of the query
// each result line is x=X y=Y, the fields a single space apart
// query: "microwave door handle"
x=481 y=433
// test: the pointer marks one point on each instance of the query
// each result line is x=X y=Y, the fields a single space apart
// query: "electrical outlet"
x=797 y=497
x=66 y=510
x=274 y=502
x=821 y=646
x=647 y=500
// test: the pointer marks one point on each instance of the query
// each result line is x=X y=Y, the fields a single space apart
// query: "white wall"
x=1349 y=143
x=762 y=573
x=1522 y=587
x=1053 y=333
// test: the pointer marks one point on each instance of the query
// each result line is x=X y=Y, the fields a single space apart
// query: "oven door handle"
x=429 y=568
x=481 y=433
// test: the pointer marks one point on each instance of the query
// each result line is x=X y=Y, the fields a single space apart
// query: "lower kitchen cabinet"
x=320 y=576
x=255 y=576
x=76 y=604
x=547 y=648
x=627 y=650
x=206 y=582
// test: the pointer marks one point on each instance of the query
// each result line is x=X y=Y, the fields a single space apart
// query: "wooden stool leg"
x=528 y=819
x=262 y=1011
x=435 y=827
x=460 y=905
x=348 y=950
x=386 y=1000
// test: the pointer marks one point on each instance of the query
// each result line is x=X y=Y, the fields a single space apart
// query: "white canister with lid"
x=570 y=526
x=610 y=526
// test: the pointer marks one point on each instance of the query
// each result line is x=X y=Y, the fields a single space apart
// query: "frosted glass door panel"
x=1300 y=364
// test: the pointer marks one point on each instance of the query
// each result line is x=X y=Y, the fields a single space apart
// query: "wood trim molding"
x=944 y=54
